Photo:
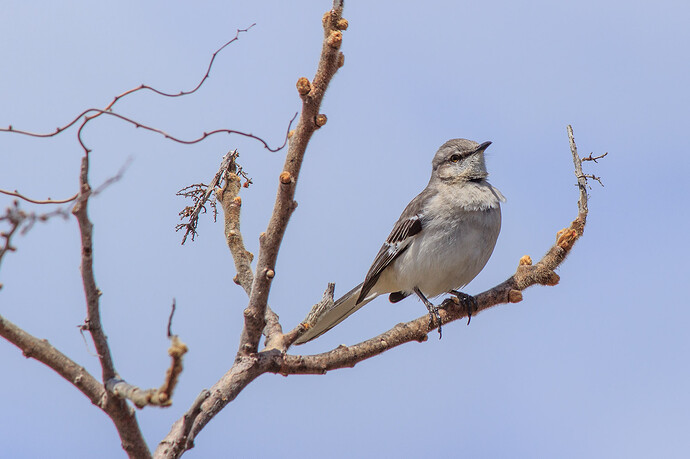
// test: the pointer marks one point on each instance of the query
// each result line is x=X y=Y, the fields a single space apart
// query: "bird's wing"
x=406 y=228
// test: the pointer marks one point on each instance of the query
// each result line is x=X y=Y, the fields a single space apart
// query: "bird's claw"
x=468 y=302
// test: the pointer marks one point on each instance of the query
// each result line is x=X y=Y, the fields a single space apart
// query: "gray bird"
x=442 y=240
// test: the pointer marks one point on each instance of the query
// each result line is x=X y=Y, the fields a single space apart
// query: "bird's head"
x=460 y=160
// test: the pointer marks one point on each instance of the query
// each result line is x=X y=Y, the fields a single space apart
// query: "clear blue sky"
x=594 y=367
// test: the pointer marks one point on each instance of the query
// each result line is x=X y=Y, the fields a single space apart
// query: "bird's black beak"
x=483 y=146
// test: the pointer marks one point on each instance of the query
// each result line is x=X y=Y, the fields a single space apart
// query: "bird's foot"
x=433 y=312
x=468 y=302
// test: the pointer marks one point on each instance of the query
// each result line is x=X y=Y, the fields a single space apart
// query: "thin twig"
x=182 y=93
x=92 y=113
x=154 y=397
x=97 y=191
x=114 y=179
x=594 y=177
x=170 y=319
x=581 y=179
x=594 y=158
x=17 y=194
x=64 y=127
x=21 y=222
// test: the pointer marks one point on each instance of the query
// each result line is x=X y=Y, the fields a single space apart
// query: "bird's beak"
x=483 y=146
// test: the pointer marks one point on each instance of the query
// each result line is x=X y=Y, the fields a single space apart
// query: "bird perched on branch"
x=442 y=240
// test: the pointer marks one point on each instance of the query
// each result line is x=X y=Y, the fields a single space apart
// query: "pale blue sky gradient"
x=595 y=367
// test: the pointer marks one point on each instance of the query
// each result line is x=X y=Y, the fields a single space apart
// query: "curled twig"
x=74 y=121
x=182 y=93
x=93 y=113
x=17 y=194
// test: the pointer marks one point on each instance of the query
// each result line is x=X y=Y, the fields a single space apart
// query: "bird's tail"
x=340 y=311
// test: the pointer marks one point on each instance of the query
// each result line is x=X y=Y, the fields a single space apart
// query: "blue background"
x=594 y=367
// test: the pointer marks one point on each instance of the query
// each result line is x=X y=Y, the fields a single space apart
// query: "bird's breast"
x=449 y=252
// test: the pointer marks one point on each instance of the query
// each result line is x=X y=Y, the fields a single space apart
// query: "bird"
x=442 y=240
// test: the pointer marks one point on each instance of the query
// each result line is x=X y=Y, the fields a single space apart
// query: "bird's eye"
x=455 y=158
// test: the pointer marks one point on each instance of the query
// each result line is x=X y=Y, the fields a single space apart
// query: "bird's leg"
x=433 y=311
x=468 y=301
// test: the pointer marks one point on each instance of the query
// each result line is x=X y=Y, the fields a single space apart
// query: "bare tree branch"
x=97 y=191
x=93 y=321
x=179 y=439
x=17 y=194
x=231 y=203
x=121 y=414
x=176 y=444
x=157 y=397
x=594 y=158
x=137 y=124
x=44 y=352
x=74 y=121
x=93 y=113
x=310 y=120
x=16 y=218
x=125 y=421
x=182 y=93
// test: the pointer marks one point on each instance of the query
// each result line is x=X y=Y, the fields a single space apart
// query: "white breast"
x=459 y=234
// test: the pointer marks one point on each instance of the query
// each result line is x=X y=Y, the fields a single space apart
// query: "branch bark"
x=42 y=351
x=184 y=431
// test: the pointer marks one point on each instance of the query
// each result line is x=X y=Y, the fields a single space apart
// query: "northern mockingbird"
x=442 y=240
